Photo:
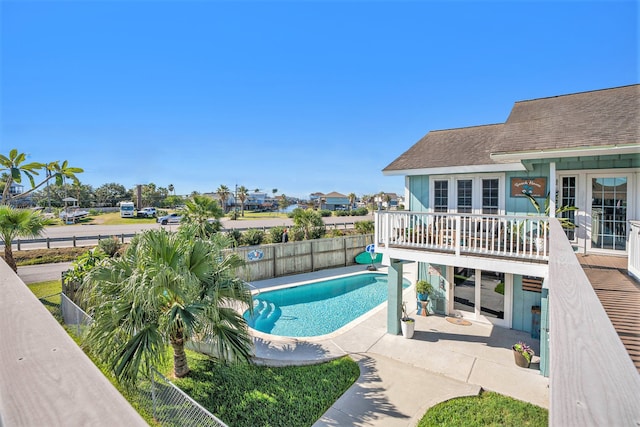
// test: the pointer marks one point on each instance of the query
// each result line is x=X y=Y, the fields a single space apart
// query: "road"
x=89 y=230
x=43 y=272
x=39 y=273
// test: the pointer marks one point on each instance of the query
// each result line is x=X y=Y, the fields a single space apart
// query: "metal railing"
x=634 y=250
x=170 y=405
x=515 y=236
x=74 y=317
x=173 y=407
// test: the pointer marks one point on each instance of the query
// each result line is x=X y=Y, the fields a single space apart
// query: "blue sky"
x=300 y=96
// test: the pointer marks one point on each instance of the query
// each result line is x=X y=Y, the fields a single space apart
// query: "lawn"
x=487 y=409
x=245 y=394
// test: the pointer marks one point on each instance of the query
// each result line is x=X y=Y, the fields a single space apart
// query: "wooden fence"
x=281 y=259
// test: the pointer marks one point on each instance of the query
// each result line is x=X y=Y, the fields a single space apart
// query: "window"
x=465 y=196
x=490 y=195
x=441 y=196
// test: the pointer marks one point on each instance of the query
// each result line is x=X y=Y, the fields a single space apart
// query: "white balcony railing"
x=514 y=236
x=634 y=250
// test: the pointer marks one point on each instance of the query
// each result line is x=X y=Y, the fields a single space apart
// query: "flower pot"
x=407 y=326
x=520 y=359
x=423 y=297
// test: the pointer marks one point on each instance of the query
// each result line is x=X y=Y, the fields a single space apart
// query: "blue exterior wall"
x=419 y=193
x=419 y=185
x=522 y=303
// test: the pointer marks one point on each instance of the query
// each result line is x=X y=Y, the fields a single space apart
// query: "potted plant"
x=565 y=222
x=407 y=324
x=522 y=354
x=423 y=289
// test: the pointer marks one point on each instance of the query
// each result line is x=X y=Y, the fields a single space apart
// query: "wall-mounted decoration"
x=255 y=255
x=536 y=187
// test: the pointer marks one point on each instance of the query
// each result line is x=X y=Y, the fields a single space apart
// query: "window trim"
x=476 y=191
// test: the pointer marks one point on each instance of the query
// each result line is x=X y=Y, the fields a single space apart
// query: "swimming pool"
x=317 y=308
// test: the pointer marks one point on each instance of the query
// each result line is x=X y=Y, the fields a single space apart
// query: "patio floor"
x=401 y=378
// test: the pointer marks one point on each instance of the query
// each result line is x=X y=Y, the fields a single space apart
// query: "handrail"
x=46 y=378
x=516 y=236
x=593 y=381
x=634 y=250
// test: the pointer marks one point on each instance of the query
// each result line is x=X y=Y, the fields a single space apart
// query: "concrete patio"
x=401 y=378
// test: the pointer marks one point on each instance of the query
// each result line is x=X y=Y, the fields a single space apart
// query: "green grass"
x=487 y=409
x=242 y=394
x=260 y=215
x=249 y=395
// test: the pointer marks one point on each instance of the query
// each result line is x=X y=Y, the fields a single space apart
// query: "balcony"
x=516 y=237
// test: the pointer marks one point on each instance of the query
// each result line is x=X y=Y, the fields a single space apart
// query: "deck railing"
x=516 y=236
x=593 y=381
x=634 y=250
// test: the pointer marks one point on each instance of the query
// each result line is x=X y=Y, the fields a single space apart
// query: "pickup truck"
x=147 y=213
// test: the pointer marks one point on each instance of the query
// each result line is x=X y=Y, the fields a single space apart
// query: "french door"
x=608 y=196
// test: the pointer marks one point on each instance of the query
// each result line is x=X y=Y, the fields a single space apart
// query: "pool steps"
x=265 y=315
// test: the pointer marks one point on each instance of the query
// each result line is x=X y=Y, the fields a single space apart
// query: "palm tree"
x=284 y=202
x=243 y=193
x=386 y=197
x=310 y=222
x=18 y=223
x=166 y=289
x=15 y=165
x=203 y=213
x=352 y=200
x=224 y=193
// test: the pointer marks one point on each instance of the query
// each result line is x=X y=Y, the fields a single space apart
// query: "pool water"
x=318 y=308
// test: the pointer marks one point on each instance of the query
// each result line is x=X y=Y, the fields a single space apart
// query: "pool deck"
x=401 y=378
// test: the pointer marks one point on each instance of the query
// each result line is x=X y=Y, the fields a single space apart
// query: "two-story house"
x=476 y=236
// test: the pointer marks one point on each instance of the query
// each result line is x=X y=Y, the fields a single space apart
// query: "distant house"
x=330 y=201
x=393 y=200
x=14 y=190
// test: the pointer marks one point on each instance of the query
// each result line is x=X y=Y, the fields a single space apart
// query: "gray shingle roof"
x=586 y=119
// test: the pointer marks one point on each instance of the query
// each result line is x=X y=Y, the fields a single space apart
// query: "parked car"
x=173 y=218
x=147 y=212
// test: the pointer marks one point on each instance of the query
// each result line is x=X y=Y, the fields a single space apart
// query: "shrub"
x=341 y=213
x=296 y=234
x=235 y=236
x=335 y=232
x=364 y=227
x=274 y=235
x=324 y=212
x=110 y=246
x=360 y=212
x=252 y=237
x=294 y=212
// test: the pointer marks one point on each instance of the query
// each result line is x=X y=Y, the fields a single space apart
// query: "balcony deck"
x=619 y=295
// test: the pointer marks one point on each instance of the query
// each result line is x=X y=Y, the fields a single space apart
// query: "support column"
x=394 y=297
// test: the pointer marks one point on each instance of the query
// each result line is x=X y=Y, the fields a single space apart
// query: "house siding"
x=419 y=193
x=522 y=303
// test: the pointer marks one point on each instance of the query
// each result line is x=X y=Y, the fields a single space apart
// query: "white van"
x=127 y=210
